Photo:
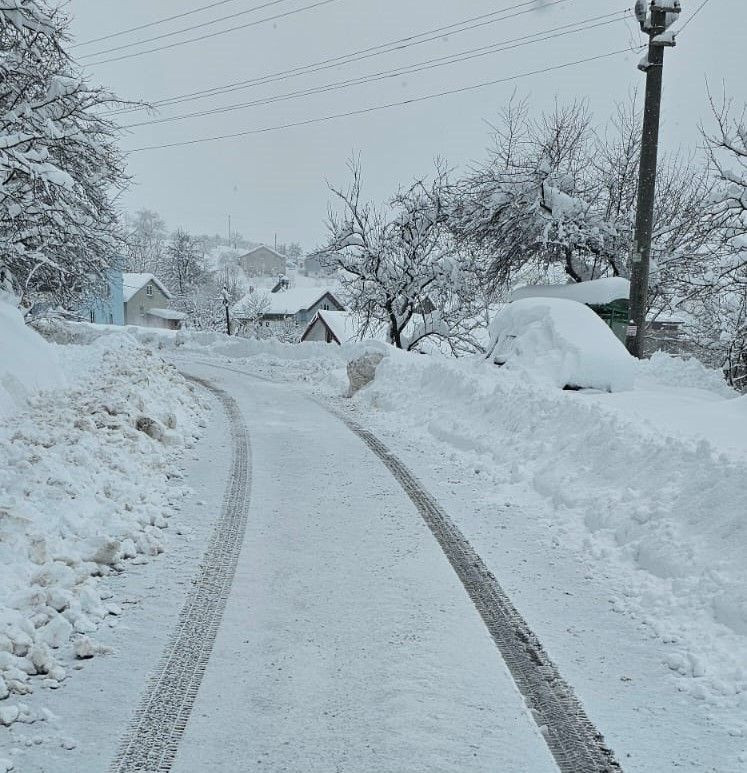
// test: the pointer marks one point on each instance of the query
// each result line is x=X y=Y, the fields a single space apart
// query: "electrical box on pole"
x=655 y=19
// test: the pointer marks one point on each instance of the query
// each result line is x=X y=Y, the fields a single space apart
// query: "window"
x=325 y=306
x=142 y=310
x=93 y=315
x=149 y=290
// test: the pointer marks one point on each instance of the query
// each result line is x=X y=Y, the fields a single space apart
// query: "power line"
x=152 y=23
x=695 y=13
x=214 y=34
x=375 y=108
x=399 y=44
x=430 y=64
x=183 y=30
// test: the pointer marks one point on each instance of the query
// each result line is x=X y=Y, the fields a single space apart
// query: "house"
x=312 y=266
x=332 y=327
x=107 y=306
x=287 y=308
x=146 y=303
x=263 y=261
x=666 y=333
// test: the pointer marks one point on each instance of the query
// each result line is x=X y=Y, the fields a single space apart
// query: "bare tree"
x=531 y=201
x=248 y=313
x=399 y=268
x=146 y=241
x=715 y=291
x=183 y=266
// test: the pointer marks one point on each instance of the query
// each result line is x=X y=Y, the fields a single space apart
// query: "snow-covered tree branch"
x=399 y=267
x=59 y=160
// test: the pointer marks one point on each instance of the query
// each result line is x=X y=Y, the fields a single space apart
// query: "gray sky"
x=275 y=182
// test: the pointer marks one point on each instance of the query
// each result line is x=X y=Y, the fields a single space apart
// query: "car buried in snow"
x=559 y=343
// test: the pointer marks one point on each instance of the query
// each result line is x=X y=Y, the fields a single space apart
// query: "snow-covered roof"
x=132 y=283
x=597 y=292
x=343 y=324
x=166 y=314
x=295 y=299
x=262 y=247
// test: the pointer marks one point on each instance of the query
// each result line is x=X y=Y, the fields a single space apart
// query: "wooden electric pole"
x=655 y=20
x=226 y=304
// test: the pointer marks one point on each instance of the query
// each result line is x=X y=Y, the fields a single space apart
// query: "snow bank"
x=28 y=363
x=663 y=369
x=561 y=343
x=666 y=517
x=82 y=491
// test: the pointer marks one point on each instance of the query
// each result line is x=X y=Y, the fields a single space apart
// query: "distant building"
x=312 y=267
x=287 y=308
x=146 y=303
x=106 y=307
x=666 y=333
x=332 y=327
x=263 y=261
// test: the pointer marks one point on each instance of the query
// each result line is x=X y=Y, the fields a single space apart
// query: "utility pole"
x=226 y=303
x=229 y=230
x=654 y=20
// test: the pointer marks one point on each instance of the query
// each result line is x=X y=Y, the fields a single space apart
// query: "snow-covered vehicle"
x=560 y=343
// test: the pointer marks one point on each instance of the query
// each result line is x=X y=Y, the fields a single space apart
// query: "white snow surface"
x=659 y=497
x=28 y=364
x=82 y=492
x=634 y=503
x=596 y=292
x=559 y=342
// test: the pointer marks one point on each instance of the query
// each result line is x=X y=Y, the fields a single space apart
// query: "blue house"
x=108 y=307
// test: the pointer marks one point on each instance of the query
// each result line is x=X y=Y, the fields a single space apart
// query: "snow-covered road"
x=347 y=643
x=312 y=621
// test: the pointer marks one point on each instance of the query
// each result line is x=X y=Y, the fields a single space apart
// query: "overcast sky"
x=275 y=183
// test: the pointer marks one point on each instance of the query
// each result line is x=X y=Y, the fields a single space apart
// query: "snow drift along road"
x=83 y=488
x=28 y=363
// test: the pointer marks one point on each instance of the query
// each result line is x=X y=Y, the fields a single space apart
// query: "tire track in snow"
x=152 y=740
x=574 y=742
x=576 y=745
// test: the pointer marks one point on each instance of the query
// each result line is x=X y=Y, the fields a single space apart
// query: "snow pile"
x=664 y=369
x=83 y=488
x=666 y=517
x=561 y=343
x=28 y=363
